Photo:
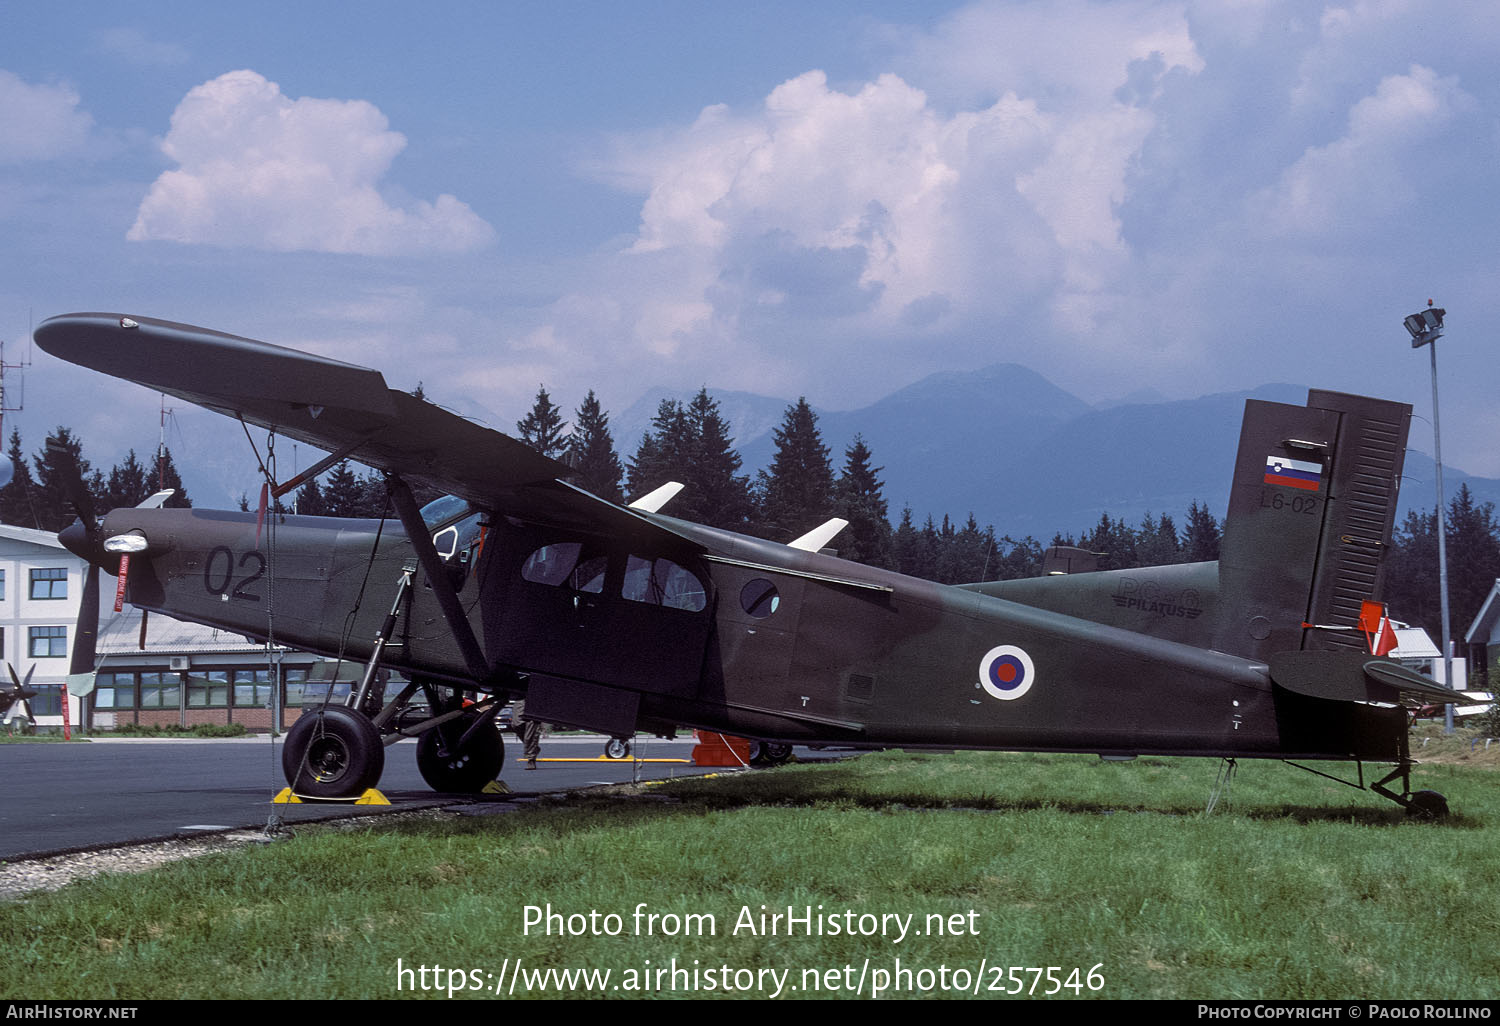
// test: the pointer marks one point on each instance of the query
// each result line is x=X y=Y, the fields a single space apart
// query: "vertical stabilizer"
x=1310 y=517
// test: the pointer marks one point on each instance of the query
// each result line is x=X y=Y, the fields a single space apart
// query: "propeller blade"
x=87 y=630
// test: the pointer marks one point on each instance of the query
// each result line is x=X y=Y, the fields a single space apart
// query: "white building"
x=41 y=586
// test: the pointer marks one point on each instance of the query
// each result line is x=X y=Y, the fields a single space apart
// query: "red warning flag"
x=1377 y=627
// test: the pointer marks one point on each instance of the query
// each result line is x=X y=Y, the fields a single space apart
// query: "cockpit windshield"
x=439 y=511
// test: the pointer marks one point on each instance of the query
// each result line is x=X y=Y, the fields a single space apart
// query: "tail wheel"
x=332 y=752
x=769 y=753
x=452 y=769
x=1427 y=805
x=617 y=748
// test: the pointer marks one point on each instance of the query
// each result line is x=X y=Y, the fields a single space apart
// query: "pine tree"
x=310 y=500
x=343 y=495
x=163 y=474
x=55 y=470
x=797 y=493
x=867 y=539
x=718 y=495
x=906 y=546
x=16 y=498
x=1201 y=536
x=1115 y=542
x=127 y=484
x=1473 y=545
x=665 y=453
x=591 y=451
x=543 y=427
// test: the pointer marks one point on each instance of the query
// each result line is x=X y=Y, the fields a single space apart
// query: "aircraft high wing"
x=623 y=619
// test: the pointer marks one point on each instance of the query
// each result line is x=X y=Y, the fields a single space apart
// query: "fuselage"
x=722 y=631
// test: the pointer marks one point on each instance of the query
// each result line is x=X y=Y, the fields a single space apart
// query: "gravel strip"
x=53 y=872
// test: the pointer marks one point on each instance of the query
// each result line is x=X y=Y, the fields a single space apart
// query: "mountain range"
x=1029 y=458
x=1001 y=442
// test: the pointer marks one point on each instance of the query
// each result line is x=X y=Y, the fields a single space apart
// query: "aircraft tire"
x=1428 y=805
x=464 y=771
x=332 y=752
x=769 y=753
x=617 y=748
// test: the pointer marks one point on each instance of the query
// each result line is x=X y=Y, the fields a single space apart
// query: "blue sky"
x=831 y=199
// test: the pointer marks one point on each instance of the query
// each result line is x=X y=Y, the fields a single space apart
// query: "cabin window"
x=759 y=598
x=662 y=582
x=566 y=563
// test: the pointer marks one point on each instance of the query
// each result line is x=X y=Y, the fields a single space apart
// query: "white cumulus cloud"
x=39 y=122
x=1372 y=170
x=259 y=169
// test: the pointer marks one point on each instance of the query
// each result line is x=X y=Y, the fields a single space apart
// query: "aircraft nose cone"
x=75 y=538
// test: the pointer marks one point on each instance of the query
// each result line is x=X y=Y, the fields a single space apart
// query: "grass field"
x=1301 y=888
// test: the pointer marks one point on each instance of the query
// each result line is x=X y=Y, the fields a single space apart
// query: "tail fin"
x=1310 y=518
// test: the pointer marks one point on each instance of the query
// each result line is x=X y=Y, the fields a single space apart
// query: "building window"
x=160 y=690
x=114 y=691
x=208 y=689
x=2 y=585
x=252 y=689
x=51 y=583
x=48 y=642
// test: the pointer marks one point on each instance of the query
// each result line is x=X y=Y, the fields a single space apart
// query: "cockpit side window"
x=551 y=564
x=567 y=563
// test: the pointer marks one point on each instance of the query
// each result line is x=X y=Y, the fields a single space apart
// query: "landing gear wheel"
x=454 y=770
x=1427 y=805
x=617 y=748
x=332 y=752
x=769 y=753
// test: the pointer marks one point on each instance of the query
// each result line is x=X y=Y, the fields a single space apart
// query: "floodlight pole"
x=1428 y=338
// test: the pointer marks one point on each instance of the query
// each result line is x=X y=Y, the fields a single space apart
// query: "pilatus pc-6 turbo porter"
x=622 y=619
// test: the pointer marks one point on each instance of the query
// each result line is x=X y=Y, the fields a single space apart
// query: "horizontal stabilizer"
x=1353 y=677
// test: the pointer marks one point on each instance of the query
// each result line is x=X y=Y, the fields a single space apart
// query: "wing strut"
x=437 y=577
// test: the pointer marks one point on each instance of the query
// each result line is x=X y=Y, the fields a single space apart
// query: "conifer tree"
x=1200 y=538
x=543 y=427
x=127 y=484
x=16 y=498
x=344 y=495
x=163 y=474
x=55 y=464
x=718 y=495
x=665 y=452
x=797 y=492
x=591 y=451
x=310 y=500
x=860 y=501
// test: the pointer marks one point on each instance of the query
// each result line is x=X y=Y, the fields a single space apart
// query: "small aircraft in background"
x=622 y=619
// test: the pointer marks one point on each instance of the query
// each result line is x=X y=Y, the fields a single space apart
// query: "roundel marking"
x=1006 y=672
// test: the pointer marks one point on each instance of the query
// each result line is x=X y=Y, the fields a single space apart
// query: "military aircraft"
x=622 y=619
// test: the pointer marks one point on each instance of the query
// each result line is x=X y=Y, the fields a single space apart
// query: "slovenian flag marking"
x=1293 y=473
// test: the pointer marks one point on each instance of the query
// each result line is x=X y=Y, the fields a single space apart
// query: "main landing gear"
x=463 y=755
x=338 y=752
x=332 y=752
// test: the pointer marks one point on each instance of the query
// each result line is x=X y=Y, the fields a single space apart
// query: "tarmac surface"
x=75 y=796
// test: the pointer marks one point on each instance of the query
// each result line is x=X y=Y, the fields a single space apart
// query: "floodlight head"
x=1425 y=325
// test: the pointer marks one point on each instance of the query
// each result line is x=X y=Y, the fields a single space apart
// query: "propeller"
x=18 y=692
x=82 y=538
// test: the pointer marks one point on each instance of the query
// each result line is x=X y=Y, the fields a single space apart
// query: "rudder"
x=1310 y=517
